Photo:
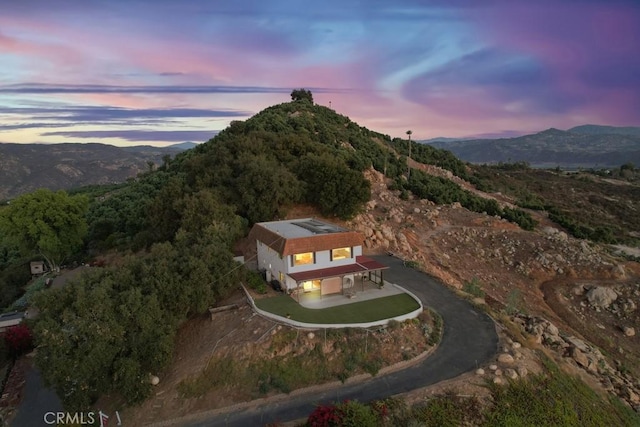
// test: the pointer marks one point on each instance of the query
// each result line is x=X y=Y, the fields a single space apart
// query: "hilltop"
x=588 y=146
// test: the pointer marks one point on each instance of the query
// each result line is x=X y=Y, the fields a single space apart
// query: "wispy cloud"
x=139 y=135
x=89 y=113
x=439 y=67
x=41 y=88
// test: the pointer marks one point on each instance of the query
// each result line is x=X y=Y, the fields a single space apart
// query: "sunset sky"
x=160 y=72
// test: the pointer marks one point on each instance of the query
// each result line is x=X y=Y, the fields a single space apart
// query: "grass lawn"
x=357 y=312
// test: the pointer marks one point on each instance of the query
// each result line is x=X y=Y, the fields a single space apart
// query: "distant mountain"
x=552 y=148
x=440 y=139
x=183 y=145
x=605 y=130
x=27 y=167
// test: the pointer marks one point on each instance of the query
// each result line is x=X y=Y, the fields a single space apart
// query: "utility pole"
x=409 y=132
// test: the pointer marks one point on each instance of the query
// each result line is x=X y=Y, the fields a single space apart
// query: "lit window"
x=303 y=259
x=340 y=253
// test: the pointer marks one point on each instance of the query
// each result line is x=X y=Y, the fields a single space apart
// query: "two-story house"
x=307 y=255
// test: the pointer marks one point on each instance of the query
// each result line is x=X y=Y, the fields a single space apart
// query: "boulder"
x=579 y=357
x=578 y=290
x=506 y=358
x=618 y=272
x=628 y=306
x=522 y=371
x=577 y=342
x=551 y=329
x=601 y=297
x=510 y=373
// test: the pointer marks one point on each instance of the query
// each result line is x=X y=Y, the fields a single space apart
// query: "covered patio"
x=370 y=290
x=343 y=283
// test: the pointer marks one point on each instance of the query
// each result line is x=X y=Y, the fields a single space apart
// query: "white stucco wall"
x=269 y=259
x=323 y=260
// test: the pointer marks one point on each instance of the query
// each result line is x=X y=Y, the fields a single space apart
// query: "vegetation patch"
x=357 y=312
x=444 y=191
x=587 y=206
x=293 y=359
x=474 y=288
x=552 y=398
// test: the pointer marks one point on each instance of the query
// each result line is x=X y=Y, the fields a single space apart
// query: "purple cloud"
x=40 y=88
x=140 y=135
x=104 y=114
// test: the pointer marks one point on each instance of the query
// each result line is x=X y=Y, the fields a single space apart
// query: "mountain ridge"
x=552 y=147
x=27 y=167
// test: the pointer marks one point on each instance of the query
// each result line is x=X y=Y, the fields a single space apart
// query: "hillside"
x=27 y=167
x=183 y=220
x=584 y=147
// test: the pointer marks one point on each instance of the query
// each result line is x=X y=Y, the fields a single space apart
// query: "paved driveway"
x=469 y=340
x=36 y=402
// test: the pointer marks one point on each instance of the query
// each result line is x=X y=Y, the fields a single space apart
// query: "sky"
x=158 y=72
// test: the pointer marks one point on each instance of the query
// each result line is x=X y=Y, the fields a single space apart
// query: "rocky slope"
x=519 y=272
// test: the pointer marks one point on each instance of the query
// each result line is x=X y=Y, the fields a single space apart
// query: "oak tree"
x=45 y=223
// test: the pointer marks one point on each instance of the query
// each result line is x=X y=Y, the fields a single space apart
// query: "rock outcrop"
x=585 y=356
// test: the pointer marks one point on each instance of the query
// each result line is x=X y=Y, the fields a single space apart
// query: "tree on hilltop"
x=302 y=95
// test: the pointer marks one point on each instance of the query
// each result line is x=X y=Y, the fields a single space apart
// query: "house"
x=307 y=255
x=37 y=267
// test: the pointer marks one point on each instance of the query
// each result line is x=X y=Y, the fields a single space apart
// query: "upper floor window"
x=303 y=259
x=340 y=253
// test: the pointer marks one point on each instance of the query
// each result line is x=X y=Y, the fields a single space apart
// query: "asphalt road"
x=469 y=340
x=37 y=401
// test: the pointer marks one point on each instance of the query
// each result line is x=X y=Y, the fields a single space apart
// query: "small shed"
x=10 y=319
x=37 y=267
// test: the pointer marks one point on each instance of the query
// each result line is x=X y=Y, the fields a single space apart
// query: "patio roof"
x=362 y=264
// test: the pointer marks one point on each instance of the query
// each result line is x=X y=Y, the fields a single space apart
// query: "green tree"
x=49 y=224
x=265 y=189
x=302 y=95
x=79 y=337
x=333 y=186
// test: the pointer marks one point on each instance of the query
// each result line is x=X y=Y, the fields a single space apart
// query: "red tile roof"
x=299 y=245
x=362 y=263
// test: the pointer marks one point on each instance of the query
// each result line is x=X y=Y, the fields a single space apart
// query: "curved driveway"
x=469 y=340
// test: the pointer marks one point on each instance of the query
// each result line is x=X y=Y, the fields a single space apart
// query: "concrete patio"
x=371 y=290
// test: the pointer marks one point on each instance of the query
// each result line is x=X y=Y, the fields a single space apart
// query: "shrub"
x=355 y=414
x=18 y=340
x=393 y=325
x=473 y=288
x=256 y=282
x=324 y=416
